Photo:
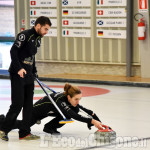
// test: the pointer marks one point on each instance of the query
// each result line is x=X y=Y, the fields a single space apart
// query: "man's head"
x=42 y=25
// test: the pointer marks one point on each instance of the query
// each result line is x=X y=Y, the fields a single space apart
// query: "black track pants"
x=54 y=123
x=21 y=97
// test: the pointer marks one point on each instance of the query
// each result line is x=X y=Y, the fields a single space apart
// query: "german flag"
x=65 y=12
x=100 y=33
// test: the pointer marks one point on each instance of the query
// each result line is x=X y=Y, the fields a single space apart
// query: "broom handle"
x=48 y=87
x=51 y=99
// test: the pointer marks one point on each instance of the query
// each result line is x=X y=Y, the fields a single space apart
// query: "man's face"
x=42 y=30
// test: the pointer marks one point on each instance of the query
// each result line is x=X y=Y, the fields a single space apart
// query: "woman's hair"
x=71 y=90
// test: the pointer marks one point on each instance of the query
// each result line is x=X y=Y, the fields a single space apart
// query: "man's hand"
x=21 y=73
x=35 y=75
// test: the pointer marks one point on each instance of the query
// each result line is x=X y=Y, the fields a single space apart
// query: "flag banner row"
x=76 y=3
x=77 y=16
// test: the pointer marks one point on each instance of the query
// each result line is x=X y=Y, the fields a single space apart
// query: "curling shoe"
x=3 y=136
x=51 y=131
x=30 y=137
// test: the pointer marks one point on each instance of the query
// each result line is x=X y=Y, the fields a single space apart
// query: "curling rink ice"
x=125 y=109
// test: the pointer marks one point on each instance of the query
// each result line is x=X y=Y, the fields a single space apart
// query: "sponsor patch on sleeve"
x=18 y=44
x=21 y=37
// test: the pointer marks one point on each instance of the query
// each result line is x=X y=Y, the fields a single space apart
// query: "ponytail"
x=71 y=90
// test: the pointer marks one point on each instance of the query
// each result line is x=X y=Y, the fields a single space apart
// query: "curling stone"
x=106 y=134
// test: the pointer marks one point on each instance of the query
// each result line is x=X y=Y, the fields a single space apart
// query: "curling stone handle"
x=105 y=128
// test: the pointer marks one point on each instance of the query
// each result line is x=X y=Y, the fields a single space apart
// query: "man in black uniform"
x=22 y=71
x=70 y=108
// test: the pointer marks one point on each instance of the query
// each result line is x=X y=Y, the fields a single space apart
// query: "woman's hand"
x=97 y=124
x=21 y=73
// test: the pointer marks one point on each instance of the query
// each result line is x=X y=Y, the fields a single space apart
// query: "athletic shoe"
x=51 y=131
x=3 y=136
x=30 y=137
x=2 y=117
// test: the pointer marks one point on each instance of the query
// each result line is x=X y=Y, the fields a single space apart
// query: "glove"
x=35 y=75
x=89 y=125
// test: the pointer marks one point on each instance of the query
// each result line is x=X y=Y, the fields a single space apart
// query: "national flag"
x=98 y=2
x=100 y=22
x=33 y=2
x=101 y=2
x=65 y=12
x=33 y=12
x=32 y=22
x=65 y=2
x=65 y=32
x=100 y=12
x=65 y=22
x=100 y=33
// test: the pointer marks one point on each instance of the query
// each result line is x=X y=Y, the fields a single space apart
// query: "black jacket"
x=23 y=51
x=44 y=107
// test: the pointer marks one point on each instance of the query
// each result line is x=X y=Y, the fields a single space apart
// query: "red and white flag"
x=65 y=22
x=33 y=2
x=100 y=12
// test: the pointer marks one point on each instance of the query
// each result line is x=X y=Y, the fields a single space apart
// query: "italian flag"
x=33 y=12
x=65 y=32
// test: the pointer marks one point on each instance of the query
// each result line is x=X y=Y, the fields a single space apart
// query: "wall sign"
x=43 y=12
x=52 y=33
x=76 y=32
x=76 y=12
x=143 y=5
x=53 y=21
x=111 y=23
x=76 y=22
x=111 y=12
x=111 y=2
x=76 y=3
x=114 y=34
x=43 y=3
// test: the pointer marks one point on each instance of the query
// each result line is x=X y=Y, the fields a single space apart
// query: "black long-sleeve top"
x=44 y=107
x=23 y=51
